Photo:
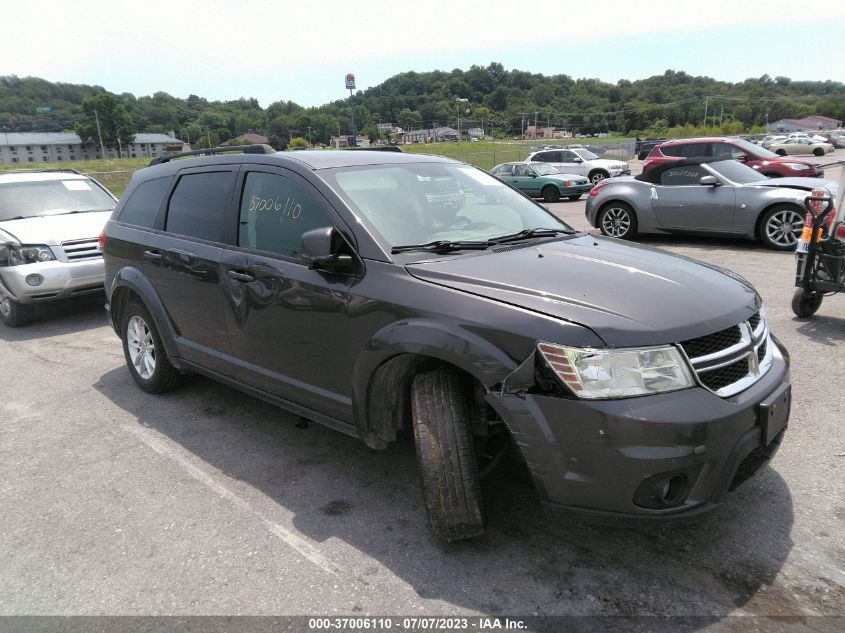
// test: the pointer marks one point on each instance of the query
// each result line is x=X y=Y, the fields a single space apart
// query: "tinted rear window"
x=198 y=205
x=142 y=207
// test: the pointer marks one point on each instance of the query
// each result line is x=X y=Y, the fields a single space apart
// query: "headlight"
x=30 y=255
x=797 y=166
x=617 y=373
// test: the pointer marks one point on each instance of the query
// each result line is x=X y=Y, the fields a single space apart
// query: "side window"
x=275 y=212
x=522 y=170
x=568 y=157
x=553 y=157
x=675 y=150
x=143 y=205
x=198 y=205
x=502 y=170
x=540 y=158
x=678 y=176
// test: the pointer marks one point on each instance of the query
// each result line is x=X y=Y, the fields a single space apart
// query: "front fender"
x=375 y=382
x=131 y=279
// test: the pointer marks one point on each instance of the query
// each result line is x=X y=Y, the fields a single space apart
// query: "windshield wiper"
x=442 y=246
x=529 y=233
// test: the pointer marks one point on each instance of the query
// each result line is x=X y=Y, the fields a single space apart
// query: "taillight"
x=101 y=240
x=595 y=190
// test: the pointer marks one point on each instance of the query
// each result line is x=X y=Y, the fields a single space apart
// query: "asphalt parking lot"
x=207 y=501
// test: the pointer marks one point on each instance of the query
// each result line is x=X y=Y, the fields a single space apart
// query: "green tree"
x=297 y=142
x=115 y=125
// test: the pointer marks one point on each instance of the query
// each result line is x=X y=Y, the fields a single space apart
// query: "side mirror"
x=744 y=158
x=578 y=160
x=711 y=181
x=326 y=249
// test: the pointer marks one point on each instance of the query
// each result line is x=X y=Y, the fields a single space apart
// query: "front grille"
x=731 y=360
x=724 y=376
x=82 y=249
x=712 y=343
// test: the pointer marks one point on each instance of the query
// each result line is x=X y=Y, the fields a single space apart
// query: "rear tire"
x=772 y=175
x=144 y=352
x=15 y=314
x=780 y=227
x=781 y=152
x=446 y=455
x=574 y=197
x=617 y=219
x=805 y=304
x=550 y=193
x=818 y=152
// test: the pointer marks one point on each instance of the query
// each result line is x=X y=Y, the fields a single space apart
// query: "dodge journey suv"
x=49 y=223
x=380 y=292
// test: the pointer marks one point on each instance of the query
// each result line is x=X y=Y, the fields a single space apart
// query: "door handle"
x=154 y=256
x=238 y=276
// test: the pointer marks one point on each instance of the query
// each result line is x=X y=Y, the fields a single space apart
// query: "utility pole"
x=721 y=112
x=309 y=137
x=706 y=99
x=522 y=128
x=458 y=101
x=100 y=134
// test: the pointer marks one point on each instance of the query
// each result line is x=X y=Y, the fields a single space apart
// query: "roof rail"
x=377 y=148
x=244 y=149
x=31 y=171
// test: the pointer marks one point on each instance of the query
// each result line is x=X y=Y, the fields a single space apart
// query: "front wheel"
x=818 y=151
x=446 y=455
x=805 y=304
x=597 y=176
x=618 y=219
x=550 y=193
x=781 y=152
x=144 y=352
x=15 y=314
x=781 y=227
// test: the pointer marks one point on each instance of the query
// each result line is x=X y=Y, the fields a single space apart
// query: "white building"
x=27 y=148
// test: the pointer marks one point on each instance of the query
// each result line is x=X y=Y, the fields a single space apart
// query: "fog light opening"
x=34 y=279
x=673 y=490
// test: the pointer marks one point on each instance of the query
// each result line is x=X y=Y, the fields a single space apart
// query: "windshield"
x=755 y=150
x=51 y=197
x=544 y=169
x=585 y=154
x=418 y=203
x=737 y=172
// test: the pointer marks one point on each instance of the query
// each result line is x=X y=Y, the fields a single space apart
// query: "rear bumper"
x=55 y=280
x=613 y=458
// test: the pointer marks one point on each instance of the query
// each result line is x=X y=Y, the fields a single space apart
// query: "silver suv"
x=50 y=222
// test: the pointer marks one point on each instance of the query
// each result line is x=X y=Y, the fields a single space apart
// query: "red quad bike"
x=820 y=253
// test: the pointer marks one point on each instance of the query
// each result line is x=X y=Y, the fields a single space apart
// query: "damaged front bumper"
x=666 y=456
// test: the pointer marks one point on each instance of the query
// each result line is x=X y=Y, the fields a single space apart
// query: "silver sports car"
x=704 y=196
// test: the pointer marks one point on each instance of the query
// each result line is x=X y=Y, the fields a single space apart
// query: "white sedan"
x=800 y=146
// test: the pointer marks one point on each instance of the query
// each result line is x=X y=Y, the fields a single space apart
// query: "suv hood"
x=55 y=229
x=627 y=294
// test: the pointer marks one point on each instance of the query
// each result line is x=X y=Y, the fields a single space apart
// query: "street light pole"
x=458 y=102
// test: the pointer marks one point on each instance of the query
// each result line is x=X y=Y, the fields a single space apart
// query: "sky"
x=275 y=50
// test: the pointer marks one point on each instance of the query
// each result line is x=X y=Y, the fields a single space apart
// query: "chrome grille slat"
x=81 y=249
x=731 y=360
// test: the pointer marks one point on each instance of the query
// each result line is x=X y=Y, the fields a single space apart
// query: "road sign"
x=350 y=81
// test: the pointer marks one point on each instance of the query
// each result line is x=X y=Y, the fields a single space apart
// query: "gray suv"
x=50 y=222
x=345 y=287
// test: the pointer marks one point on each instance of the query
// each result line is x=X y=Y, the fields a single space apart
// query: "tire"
x=818 y=152
x=781 y=152
x=15 y=314
x=781 y=227
x=617 y=219
x=446 y=455
x=597 y=176
x=144 y=352
x=772 y=174
x=574 y=197
x=550 y=193
x=805 y=304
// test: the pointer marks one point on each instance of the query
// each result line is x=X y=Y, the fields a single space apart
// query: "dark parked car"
x=643 y=148
x=350 y=288
x=704 y=196
x=758 y=158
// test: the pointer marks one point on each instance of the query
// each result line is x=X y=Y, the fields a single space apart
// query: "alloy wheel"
x=616 y=222
x=142 y=350
x=784 y=227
